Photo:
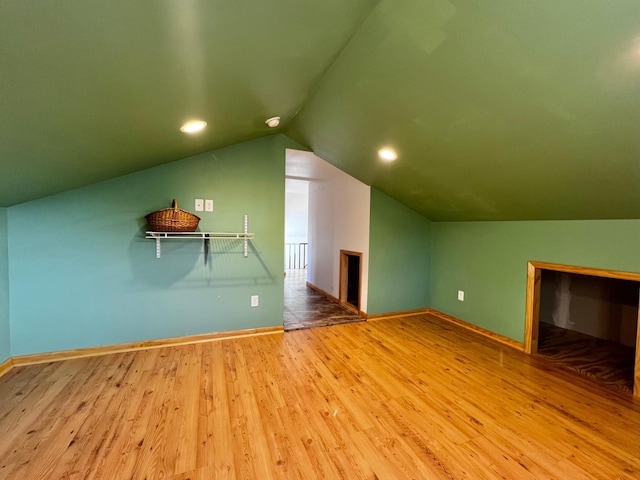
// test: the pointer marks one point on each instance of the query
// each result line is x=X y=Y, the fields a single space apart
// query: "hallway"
x=306 y=308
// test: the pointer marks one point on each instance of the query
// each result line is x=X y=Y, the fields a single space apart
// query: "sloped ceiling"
x=95 y=89
x=498 y=110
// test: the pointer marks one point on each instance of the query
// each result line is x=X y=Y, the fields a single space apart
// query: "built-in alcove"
x=585 y=319
x=350 y=279
x=605 y=308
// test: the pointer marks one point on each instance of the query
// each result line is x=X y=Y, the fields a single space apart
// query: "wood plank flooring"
x=410 y=397
x=606 y=361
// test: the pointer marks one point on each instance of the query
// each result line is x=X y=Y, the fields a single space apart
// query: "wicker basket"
x=172 y=219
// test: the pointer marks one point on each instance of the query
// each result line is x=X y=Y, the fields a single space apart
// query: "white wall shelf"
x=205 y=236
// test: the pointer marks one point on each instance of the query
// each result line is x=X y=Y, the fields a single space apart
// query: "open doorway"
x=296 y=224
x=337 y=209
x=306 y=306
x=586 y=320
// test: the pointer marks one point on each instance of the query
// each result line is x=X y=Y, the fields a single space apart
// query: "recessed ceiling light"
x=193 y=126
x=387 y=154
x=272 y=122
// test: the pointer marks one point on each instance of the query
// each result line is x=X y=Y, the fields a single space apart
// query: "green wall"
x=5 y=345
x=488 y=260
x=83 y=275
x=399 y=257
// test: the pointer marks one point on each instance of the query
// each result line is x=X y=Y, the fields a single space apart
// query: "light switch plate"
x=199 y=204
x=461 y=295
x=208 y=205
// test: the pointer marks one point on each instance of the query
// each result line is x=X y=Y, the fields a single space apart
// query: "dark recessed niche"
x=589 y=324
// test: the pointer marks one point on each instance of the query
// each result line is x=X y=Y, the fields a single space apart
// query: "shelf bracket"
x=158 y=249
x=207 y=247
x=246 y=241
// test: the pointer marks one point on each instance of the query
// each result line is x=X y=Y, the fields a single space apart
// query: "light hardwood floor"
x=409 y=397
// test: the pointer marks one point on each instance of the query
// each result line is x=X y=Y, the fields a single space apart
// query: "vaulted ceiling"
x=501 y=110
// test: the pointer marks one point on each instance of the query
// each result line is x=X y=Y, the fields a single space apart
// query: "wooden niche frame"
x=532 y=314
x=344 y=275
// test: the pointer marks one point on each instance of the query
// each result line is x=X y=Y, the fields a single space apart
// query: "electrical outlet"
x=199 y=204
x=461 y=295
x=255 y=301
x=208 y=205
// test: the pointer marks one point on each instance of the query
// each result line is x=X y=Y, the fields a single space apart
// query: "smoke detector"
x=273 y=122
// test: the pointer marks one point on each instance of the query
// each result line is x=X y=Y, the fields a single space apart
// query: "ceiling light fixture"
x=193 y=126
x=273 y=122
x=387 y=154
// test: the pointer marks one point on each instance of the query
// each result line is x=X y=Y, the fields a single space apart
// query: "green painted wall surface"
x=83 y=274
x=399 y=257
x=488 y=260
x=5 y=344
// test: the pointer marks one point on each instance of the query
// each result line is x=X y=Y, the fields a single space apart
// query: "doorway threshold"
x=307 y=308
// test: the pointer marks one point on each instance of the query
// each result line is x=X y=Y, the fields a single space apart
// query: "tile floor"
x=306 y=308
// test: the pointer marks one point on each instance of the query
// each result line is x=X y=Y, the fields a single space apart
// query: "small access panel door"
x=350 y=279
